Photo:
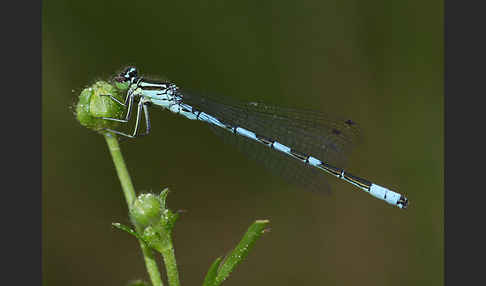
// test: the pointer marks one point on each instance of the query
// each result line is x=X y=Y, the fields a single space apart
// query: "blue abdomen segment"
x=377 y=191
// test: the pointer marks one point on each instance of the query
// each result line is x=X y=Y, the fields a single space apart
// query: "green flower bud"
x=155 y=237
x=146 y=210
x=91 y=105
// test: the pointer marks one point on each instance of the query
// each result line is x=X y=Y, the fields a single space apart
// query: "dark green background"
x=377 y=62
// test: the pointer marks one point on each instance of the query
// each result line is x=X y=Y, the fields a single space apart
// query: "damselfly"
x=301 y=143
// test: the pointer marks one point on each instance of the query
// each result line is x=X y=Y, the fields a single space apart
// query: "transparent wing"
x=277 y=163
x=306 y=132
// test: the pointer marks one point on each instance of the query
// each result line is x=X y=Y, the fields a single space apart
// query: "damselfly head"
x=129 y=74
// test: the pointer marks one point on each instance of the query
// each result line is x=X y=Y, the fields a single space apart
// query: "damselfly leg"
x=129 y=100
x=142 y=104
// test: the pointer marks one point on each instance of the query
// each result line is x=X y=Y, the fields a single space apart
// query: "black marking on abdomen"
x=334 y=170
x=227 y=125
x=357 y=180
x=300 y=155
x=265 y=140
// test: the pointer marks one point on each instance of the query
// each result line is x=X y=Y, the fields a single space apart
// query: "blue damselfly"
x=300 y=143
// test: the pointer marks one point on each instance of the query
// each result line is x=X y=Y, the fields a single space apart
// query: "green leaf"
x=129 y=231
x=168 y=218
x=163 y=197
x=240 y=252
x=210 y=278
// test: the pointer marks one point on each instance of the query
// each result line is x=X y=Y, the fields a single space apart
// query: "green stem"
x=129 y=192
x=121 y=169
x=170 y=263
x=151 y=264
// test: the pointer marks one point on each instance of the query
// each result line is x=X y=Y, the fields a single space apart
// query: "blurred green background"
x=379 y=63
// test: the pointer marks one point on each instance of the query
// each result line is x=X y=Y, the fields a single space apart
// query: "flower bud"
x=146 y=210
x=91 y=105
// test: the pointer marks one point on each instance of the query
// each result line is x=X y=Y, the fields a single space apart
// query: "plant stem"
x=151 y=264
x=129 y=192
x=121 y=169
x=170 y=263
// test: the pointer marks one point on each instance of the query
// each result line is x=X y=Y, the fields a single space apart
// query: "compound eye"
x=129 y=74
x=132 y=72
